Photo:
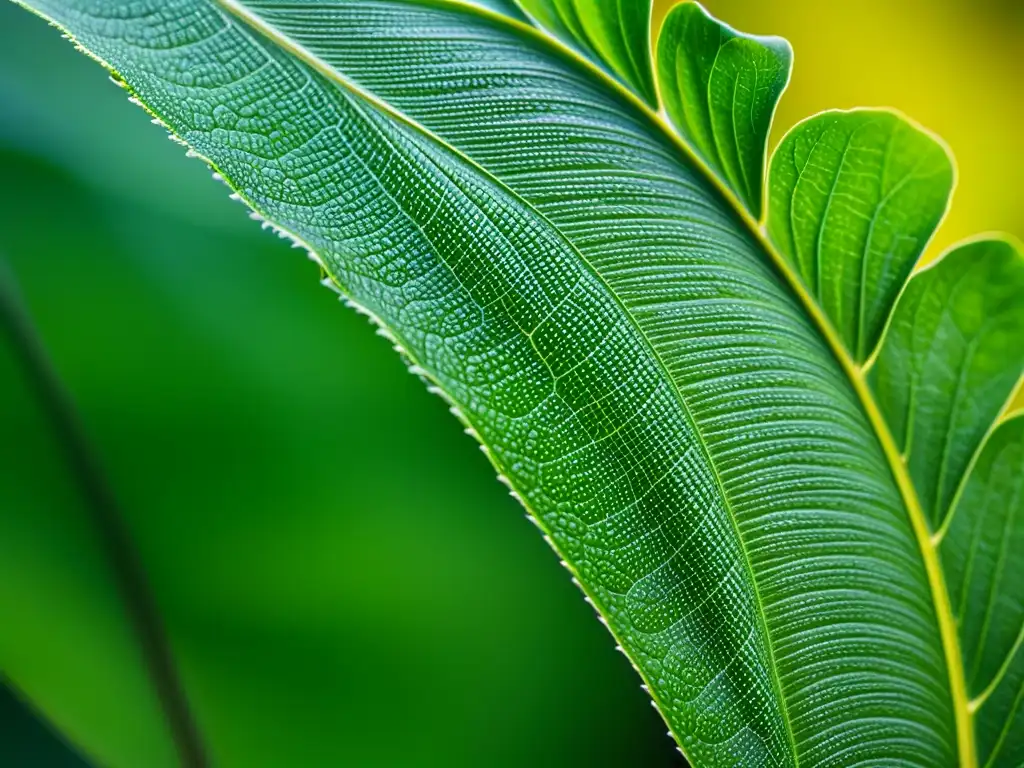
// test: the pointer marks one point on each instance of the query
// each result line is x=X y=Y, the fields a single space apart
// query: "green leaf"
x=950 y=361
x=854 y=198
x=615 y=32
x=505 y=7
x=949 y=364
x=981 y=554
x=655 y=381
x=720 y=89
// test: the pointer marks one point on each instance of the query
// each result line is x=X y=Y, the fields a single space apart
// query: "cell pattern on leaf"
x=612 y=329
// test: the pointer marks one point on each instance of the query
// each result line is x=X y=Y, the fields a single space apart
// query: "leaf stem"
x=105 y=512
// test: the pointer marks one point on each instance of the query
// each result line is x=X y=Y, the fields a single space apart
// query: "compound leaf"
x=677 y=402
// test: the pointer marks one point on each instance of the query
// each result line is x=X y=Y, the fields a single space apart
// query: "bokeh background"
x=344 y=581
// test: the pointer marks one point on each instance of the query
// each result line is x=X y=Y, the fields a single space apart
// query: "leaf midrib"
x=756 y=228
x=936 y=580
x=855 y=373
x=254 y=21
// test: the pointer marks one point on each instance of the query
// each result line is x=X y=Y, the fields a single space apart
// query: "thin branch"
x=124 y=560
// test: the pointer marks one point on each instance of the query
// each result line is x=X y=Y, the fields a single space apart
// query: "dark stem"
x=106 y=515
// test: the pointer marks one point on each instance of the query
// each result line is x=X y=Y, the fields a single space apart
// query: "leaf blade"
x=987 y=587
x=949 y=362
x=816 y=383
x=854 y=198
x=708 y=71
x=615 y=33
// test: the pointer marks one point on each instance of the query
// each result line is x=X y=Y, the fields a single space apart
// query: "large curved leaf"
x=651 y=376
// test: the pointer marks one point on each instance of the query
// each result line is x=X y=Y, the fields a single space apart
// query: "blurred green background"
x=344 y=582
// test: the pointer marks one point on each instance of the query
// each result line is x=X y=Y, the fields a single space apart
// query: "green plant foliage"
x=616 y=33
x=951 y=360
x=950 y=363
x=855 y=196
x=506 y=7
x=679 y=405
x=721 y=88
x=980 y=552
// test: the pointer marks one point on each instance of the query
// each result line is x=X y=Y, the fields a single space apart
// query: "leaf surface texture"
x=605 y=318
x=615 y=32
x=855 y=197
x=986 y=582
x=720 y=89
